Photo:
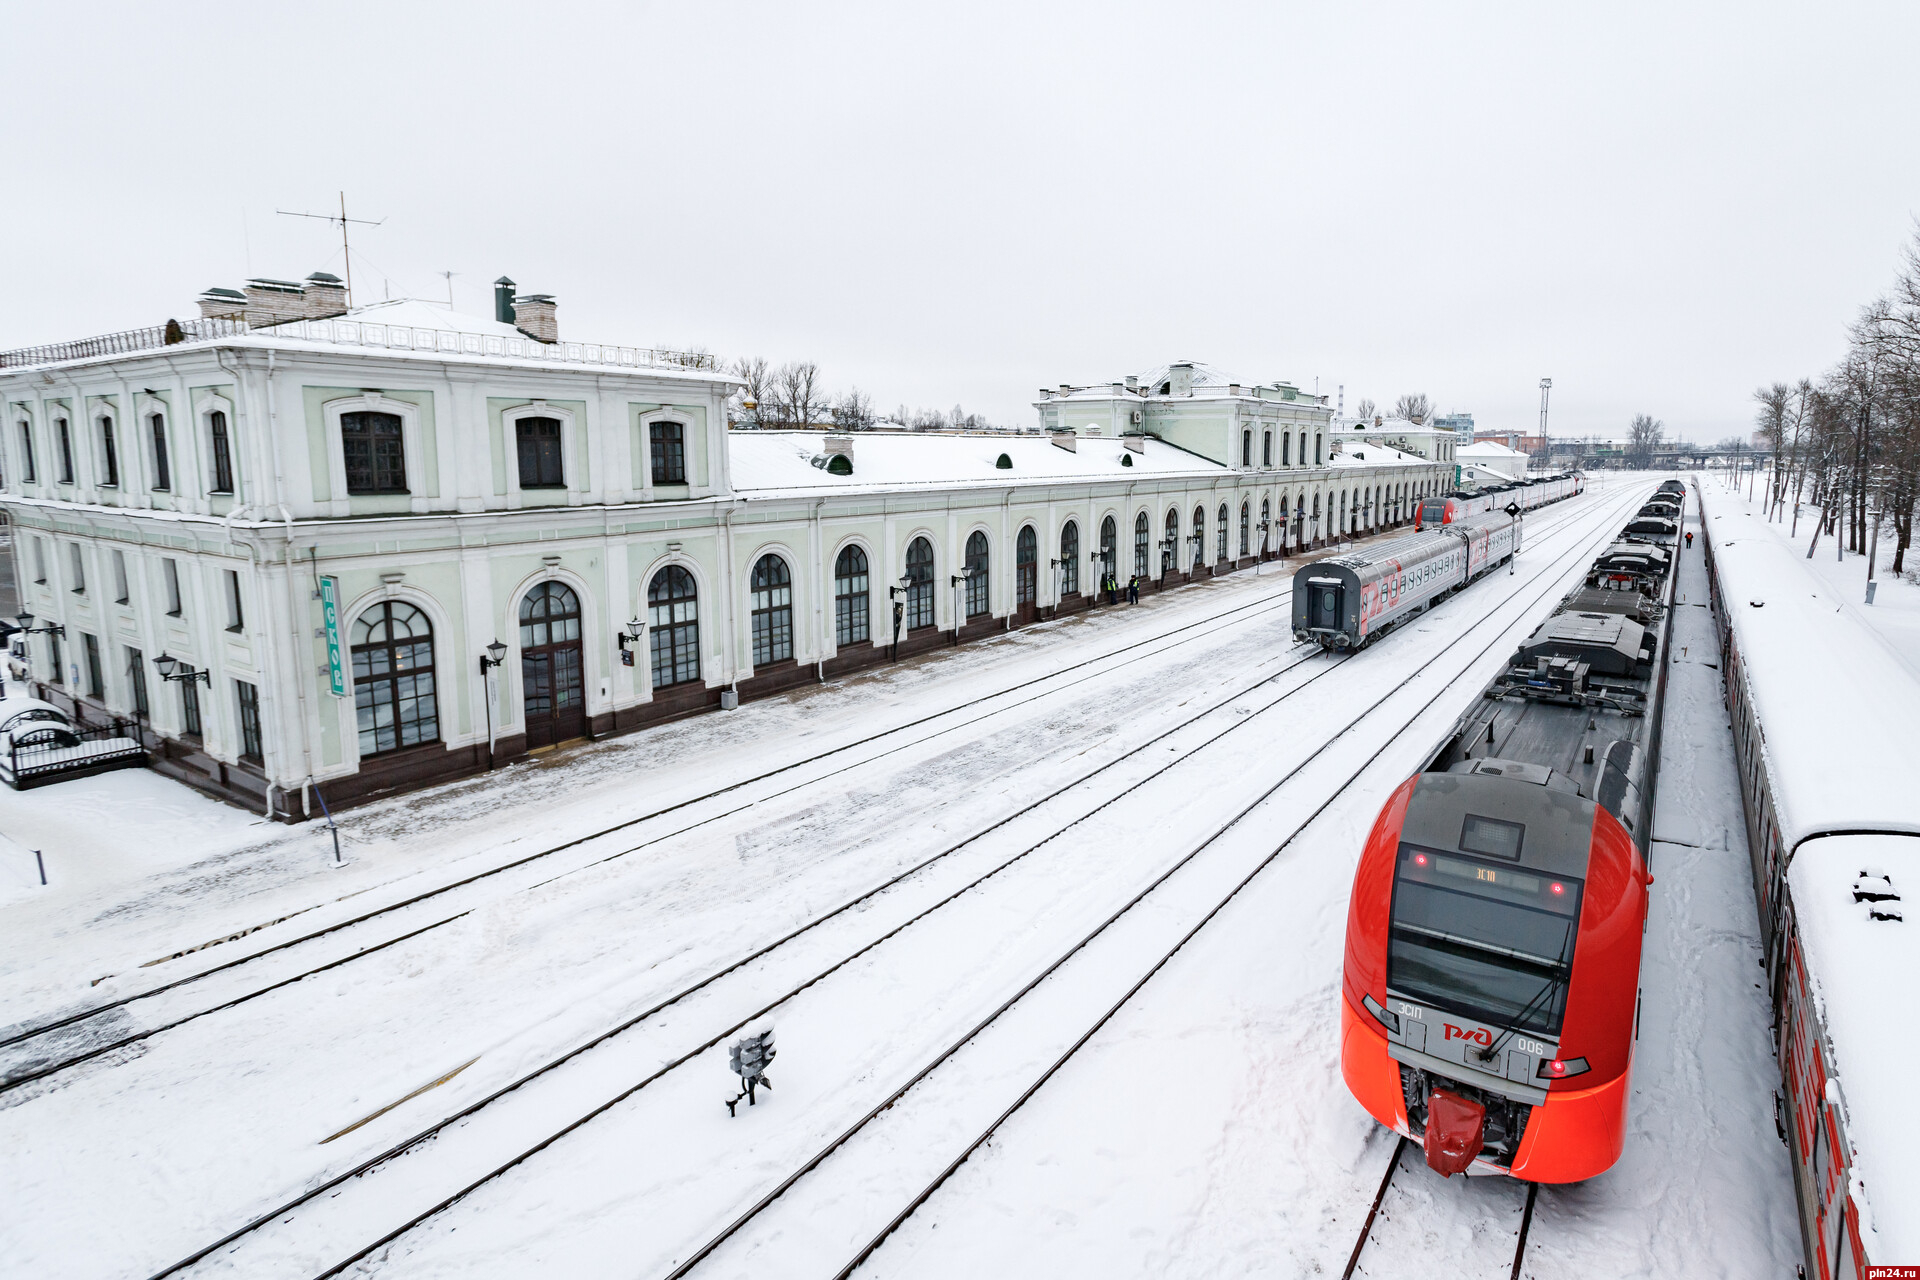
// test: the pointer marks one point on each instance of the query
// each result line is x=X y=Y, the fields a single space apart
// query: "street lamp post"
x=959 y=584
x=1264 y=526
x=495 y=655
x=1055 y=565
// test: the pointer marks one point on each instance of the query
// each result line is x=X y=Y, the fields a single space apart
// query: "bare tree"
x=1643 y=439
x=1414 y=408
x=1364 y=411
x=798 y=393
x=853 y=412
x=755 y=372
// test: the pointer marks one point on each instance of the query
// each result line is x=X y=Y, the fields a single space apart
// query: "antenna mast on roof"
x=346 y=252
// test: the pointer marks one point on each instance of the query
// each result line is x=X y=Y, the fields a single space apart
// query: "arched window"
x=1069 y=558
x=1199 y=536
x=772 y=611
x=1109 y=550
x=1266 y=522
x=393 y=693
x=1343 y=511
x=977 y=580
x=673 y=627
x=1140 y=539
x=1245 y=519
x=1220 y=533
x=376 y=454
x=850 y=613
x=1316 y=516
x=1026 y=572
x=1246 y=448
x=1266 y=448
x=920 y=588
x=538 y=442
x=1170 y=553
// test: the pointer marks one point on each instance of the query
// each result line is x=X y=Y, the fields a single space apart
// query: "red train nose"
x=1456 y=1130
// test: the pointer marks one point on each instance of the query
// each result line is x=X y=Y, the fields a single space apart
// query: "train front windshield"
x=1432 y=513
x=1489 y=941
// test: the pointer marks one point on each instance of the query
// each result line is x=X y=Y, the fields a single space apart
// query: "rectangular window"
x=249 y=700
x=668 y=441
x=64 y=439
x=1266 y=449
x=1316 y=450
x=1246 y=448
x=137 y=682
x=109 y=455
x=236 y=617
x=120 y=577
x=27 y=475
x=538 y=443
x=189 y=704
x=222 y=452
x=76 y=559
x=96 y=679
x=40 y=561
x=1286 y=449
x=374 y=449
x=162 y=472
x=59 y=658
x=170 y=575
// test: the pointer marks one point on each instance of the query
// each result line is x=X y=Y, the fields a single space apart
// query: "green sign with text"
x=330 y=615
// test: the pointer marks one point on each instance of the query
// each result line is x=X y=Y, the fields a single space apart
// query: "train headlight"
x=1562 y=1068
x=1388 y=1018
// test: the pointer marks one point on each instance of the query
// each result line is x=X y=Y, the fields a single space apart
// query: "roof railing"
x=341 y=331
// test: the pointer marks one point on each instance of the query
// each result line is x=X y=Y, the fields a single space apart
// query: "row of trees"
x=1848 y=441
x=793 y=395
x=1414 y=407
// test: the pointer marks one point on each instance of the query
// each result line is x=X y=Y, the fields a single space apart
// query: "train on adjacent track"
x=1526 y=494
x=1490 y=994
x=1823 y=713
x=1348 y=602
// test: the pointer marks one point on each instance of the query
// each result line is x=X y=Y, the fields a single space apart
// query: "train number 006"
x=1533 y=1047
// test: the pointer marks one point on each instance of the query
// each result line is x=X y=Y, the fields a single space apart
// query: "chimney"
x=1133 y=382
x=534 y=316
x=1063 y=438
x=274 y=302
x=1135 y=441
x=326 y=296
x=503 y=300
x=222 y=304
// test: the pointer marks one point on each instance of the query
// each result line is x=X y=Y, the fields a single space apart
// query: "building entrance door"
x=551 y=676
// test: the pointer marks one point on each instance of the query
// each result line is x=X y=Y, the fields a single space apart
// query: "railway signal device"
x=748 y=1059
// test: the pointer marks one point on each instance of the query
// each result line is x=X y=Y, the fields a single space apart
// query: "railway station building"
x=370 y=548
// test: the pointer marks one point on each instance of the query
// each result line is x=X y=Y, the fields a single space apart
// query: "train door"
x=1324 y=604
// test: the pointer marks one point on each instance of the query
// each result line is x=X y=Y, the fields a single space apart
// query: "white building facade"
x=328 y=524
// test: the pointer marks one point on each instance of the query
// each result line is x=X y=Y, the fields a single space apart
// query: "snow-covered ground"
x=1894 y=614
x=1203 y=1131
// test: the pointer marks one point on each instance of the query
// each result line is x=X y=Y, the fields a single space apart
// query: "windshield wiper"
x=1512 y=1028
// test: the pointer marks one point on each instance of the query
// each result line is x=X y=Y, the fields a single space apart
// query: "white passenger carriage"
x=1824 y=718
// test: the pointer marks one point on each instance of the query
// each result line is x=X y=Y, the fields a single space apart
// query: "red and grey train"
x=1348 y=602
x=1527 y=494
x=1490 y=997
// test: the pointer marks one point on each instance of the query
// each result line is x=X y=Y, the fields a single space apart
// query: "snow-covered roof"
x=1850 y=958
x=1368 y=454
x=1839 y=708
x=417 y=313
x=771 y=463
x=1486 y=450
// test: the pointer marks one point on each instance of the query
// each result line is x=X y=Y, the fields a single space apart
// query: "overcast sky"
x=1657 y=206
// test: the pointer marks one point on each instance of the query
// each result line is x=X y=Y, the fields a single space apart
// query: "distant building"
x=1488 y=461
x=1461 y=424
x=1433 y=443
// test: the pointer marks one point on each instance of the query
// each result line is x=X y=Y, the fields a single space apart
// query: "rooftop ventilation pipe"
x=503 y=300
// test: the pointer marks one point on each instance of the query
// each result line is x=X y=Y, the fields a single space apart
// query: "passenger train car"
x=1490 y=996
x=1824 y=718
x=1350 y=601
x=1527 y=494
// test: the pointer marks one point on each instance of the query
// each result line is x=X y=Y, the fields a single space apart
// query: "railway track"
x=840 y=960
x=51 y=1047
x=1400 y=1239
x=29 y=1066
x=681 y=1059
x=802 y=1222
